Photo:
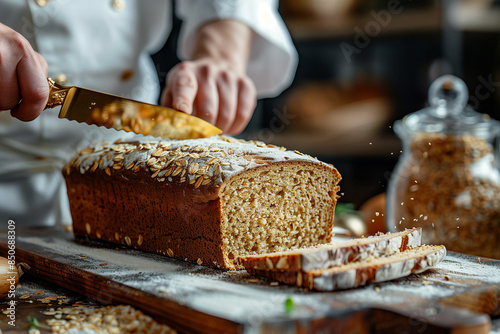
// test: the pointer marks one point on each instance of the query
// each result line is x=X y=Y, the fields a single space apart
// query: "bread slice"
x=370 y=270
x=207 y=201
x=336 y=254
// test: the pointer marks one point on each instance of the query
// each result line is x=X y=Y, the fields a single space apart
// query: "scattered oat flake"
x=39 y=292
x=103 y=264
x=253 y=280
x=274 y=283
x=83 y=257
x=24 y=296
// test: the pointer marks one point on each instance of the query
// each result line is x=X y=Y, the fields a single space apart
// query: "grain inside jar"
x=450 y=186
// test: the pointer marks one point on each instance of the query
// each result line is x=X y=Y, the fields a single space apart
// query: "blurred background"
x=364 y=64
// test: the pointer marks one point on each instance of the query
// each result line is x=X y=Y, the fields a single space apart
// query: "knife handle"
x=57 y=94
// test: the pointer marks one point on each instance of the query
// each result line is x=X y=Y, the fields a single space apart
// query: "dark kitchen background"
x=364 y=64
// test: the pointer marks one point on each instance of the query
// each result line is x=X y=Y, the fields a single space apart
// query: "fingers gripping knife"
x=114 y=112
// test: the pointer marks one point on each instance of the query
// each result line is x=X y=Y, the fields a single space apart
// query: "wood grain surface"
x=458 y=296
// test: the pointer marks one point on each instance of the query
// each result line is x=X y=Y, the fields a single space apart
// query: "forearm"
x=226 y=42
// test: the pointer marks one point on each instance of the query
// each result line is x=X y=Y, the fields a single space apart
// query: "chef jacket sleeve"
x=273 y=58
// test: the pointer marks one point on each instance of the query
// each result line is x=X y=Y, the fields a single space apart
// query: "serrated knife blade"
x=114 y=112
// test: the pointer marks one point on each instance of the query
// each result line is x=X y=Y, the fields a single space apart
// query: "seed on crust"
x=170 y=252
x=157 y=166
x=194 y=155
x=155 y=174
x=118 y=158
x=203 y=170
x=98 y=235
x=118 y=148
x=177 y=171
x=310 y=280
x=128 y=241
x=182 y=179
x=181 y=162
x=199 y=261
x=170 y=161
x=137 y=168
x=169 y=171
x=94 y=166
x=118 y=166
x=87 y=150
x=130 y=165
x=108 y=171
x=299 y=278
x=77 y=164
x=198 y=182
x=269 y=263
x=117 y=236
x=212 y=160
x=88 y=228
x=218 y=169
x=151 y=161
x=206 y=182
x=193 y=168
x=157 y=152
x=139 y=240
x=282 y=263
x=68 y=169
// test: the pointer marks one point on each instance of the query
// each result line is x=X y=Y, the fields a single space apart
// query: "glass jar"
x=447 y=180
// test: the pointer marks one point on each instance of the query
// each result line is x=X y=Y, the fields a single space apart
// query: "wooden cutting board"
x=458 y=296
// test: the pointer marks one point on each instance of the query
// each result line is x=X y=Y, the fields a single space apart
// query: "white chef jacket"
x=94 y=43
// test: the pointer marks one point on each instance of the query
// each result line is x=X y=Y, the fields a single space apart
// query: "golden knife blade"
x=114 y=112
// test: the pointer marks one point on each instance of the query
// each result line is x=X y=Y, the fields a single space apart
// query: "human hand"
x=213 y=92
x=23 y=76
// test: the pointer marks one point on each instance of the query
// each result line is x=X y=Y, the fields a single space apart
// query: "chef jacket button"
x=42 y=3
x=127 y=75
x=61 y=79
x=118 y=4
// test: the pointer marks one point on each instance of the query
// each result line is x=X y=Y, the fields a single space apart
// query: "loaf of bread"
x=335 y=254
x=354 y=274
x=207 y=201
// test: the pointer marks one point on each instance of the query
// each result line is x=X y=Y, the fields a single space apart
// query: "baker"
x=233 y=51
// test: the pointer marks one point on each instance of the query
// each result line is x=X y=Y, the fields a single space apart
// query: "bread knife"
x=114 y=112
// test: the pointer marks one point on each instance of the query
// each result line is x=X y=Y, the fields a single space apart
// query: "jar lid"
x=448 y=112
